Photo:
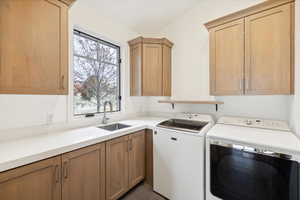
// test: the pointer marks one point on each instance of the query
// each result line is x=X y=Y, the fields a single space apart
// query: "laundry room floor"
x=142 y=192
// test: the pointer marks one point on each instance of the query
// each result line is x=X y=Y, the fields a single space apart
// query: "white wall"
x=295 y=101
x=190 y=69
x=190 y=72
x=19 y=111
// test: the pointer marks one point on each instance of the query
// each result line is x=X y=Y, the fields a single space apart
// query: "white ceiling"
x=143 y=16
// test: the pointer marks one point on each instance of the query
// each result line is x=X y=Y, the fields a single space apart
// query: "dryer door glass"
x=239 y=175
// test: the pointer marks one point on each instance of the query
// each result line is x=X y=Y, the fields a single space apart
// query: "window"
x=96 y=74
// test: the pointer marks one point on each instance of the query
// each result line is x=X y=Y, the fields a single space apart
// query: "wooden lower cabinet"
x=125 y=164
x=149 y=157
x=104 y=171
x=117 y=167
x=137 y=158
x=84 y=174
x=38 y=181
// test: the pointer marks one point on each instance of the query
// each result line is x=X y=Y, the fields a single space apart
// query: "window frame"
x=107 y=42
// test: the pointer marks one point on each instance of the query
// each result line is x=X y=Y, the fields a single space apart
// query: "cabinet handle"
x=66 y=170
x=247 y=83
x=130 y=148
x=241 y=84
x=128 y=145
x=57 y=173
x=63 y=82
x=173 y=138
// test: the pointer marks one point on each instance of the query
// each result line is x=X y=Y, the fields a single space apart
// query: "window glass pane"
x=108 y=54
x=96 y=78
x=85 y=47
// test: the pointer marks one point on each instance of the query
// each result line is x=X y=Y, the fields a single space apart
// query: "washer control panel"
x=195 y=117
x=255 y=123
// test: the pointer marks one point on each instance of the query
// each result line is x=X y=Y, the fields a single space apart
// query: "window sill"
x=98 y=117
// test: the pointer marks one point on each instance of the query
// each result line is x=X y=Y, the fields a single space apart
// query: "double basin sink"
x=114 y=127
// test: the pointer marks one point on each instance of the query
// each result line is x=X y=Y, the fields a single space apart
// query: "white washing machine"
x=179 y=156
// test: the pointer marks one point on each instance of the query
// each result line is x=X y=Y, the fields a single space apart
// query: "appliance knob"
x=248 y=122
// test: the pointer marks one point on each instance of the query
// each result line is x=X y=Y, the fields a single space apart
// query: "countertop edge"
x=26 y=160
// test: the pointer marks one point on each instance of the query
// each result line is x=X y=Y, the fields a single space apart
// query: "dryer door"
x=239 y=174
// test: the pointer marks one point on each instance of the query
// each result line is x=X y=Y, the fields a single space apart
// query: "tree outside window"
x=96 y=74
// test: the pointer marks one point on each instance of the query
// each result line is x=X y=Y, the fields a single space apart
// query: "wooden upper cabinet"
x=136 y=69
x=152 y=70
x=34 y=47
x=150 y=66
x=268 y=48
x=117 y=168
x=137 y=158
x=252 y=51
x=68 y=2
x=83 y=174
x=167 y=71
x=227 y=59
x=38 y=181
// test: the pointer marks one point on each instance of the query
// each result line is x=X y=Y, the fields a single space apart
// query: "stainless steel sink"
x=114 y=127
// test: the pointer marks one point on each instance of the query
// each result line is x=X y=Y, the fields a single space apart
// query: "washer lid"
x=184 y=125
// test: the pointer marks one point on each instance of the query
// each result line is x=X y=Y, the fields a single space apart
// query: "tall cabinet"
x=252 y=51
x=150 y=67
x=34 y=46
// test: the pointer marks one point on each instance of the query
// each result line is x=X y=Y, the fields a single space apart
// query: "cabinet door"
x=38 y=181
x=152 y=70
x=136 y=70
x=268 y=52
x=137 y=158
x=116 y=168
x=33 y=47
x=227 y=59
x=167 y=72
x=84 y=174
x=149 y=157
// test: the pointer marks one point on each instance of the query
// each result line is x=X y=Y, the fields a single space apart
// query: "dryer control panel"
x=255 y=123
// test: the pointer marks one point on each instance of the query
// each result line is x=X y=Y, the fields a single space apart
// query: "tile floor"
x=142 y=192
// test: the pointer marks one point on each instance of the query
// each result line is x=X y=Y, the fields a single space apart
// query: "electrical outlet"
x=49 y=118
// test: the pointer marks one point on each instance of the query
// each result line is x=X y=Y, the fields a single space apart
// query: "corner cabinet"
x=34 y=46
x=150 y=67
x=252 y=51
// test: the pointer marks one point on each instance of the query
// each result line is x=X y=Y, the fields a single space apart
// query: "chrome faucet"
x=104 y=120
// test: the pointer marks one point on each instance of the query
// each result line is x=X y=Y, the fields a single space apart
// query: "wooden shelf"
x=173 y=102
x=191 y=102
